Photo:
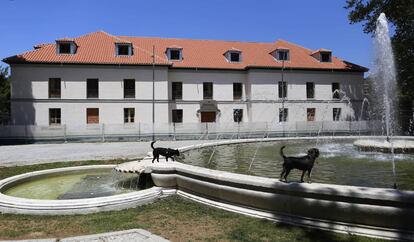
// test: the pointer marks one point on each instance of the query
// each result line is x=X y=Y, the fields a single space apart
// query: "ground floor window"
x=177 y=116
x=311 y=114
x=283 y=114
x=92 y=115
x=208 y=117
x=54 y=116
x=238 y=115
x=336 y=114
x=129 y=115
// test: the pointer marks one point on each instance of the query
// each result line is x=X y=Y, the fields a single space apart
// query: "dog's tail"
x=281 y=151
x=152 y=144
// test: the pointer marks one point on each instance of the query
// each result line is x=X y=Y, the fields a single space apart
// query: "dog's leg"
x=166 y=158
x=153 y=159
x=303 y=173
x=281 y=174
x=172 y=158
x=286 y=174
x=310 y=176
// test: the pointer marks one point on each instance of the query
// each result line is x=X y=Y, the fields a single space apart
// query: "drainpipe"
x=153 y=92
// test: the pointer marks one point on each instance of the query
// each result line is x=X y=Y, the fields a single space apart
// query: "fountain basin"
x=19 y=205
x=398 y=146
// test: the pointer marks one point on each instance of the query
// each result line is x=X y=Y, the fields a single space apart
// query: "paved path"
x=15 y=155
x=120 y=236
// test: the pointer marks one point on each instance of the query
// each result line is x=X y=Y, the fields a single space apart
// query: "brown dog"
x=304 y=163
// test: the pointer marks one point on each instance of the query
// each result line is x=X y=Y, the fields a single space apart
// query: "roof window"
x=282 y=55
x=65 y=47
x=174 y=54
x=234 y=56
x=326 y=57
x=123 y=49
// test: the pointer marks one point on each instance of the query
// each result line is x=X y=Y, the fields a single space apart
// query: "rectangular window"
x=129 y=88
x=282 y=89
x=64 y=48
x=123 y=49
x=177 y=116
x=310 y=90
x=283 y=114
x=335 y=90
x=238 y=115
x=175 y=55
x=311 y=114
x=234 y=57
x=282 y=55
x=177 y=90
x=237 y=91
x=129 y=115
x=92 y=115
x=336 y=114
x=54 y=87
x=325 y=57
x=54 y=116
x=207 y=90
x=92 y=86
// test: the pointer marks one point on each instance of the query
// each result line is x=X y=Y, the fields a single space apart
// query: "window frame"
x=119 y=45
x=240 y=96
x=282 y=89
x=128 y=119
x=205 y=86
x=336 y=114
x=180 y=54
x=57 y=119
x=89 y=91
x=55 y=94
x=328 y=54
x=230 y=54
x=87 y=117
x=238 y=118
x=177 y=115
x=128 y=92
x=287 y=54
x=176 y=94
x=307 y=114
x=310 y=91
x=335 y=95
x=283 y=118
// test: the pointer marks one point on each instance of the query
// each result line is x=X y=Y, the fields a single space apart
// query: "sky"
x=313 y=24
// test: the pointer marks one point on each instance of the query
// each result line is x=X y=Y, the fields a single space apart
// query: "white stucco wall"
x=260 y=102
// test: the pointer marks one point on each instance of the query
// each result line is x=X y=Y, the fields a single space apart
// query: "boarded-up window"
x=208 y=117
x=92 y=115
x=54 y=116
x=311 y=114
x=54 y=87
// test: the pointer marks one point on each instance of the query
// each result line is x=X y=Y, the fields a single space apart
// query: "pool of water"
x=339 y=162
x=75 y=185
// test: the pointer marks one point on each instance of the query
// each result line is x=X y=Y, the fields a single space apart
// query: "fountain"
x=384 y=87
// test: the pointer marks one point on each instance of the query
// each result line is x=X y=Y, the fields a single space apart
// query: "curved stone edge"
x=380 y=146
x=15 y=205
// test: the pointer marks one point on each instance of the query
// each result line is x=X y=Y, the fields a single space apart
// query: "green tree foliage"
x=4 y=91
x=401 y=15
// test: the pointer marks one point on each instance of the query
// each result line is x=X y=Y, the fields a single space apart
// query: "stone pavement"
x=119 y=236
x=16 y=155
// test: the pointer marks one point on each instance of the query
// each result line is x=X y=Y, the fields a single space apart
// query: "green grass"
x=173 y=218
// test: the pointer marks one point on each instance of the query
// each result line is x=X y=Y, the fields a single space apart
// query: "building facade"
x=106 y=79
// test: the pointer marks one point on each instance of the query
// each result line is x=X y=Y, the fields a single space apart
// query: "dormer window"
x=282 y=55
x=174 y=54
x=234 y=56
x=65 y=47
x=123 y=49
x=326 y=57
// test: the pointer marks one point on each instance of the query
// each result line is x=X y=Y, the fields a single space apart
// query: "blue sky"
x=313 y=24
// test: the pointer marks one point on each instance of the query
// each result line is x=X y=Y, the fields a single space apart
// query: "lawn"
x=174 y=218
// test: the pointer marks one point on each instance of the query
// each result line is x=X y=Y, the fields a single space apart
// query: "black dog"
x=304 y=163
x=167 y=152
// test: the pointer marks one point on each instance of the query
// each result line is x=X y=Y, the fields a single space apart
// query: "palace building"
x=107 y=79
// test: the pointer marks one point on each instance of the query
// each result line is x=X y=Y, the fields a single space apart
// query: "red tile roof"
x=99 y=48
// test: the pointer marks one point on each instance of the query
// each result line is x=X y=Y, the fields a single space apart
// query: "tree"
x=400 y=13
x=4 y=91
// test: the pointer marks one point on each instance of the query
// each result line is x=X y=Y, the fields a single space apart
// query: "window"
x=64 y=48
x=335 y=90
x=237 y=91
x=54 y=116
x=129 y=115
x=92 y=115
x=238 y=115
x=336 y=114
x=282 y=55
x=174 y=54
x=310 y=90
x=325 y=57
x=207 y=90
x=283 y=114
x=129 y=88
x=234 y=56
x=92 y=86
x=177 y=116
x=282 y=89
x=311 y=114
x=177 y=90
x=54 y=87
x=123 y=49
